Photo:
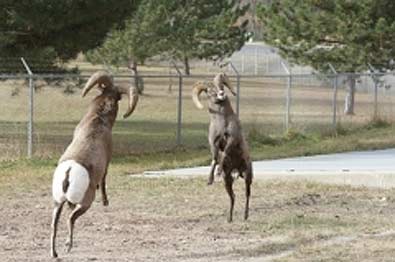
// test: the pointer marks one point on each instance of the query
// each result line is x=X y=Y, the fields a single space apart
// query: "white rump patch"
x=78 y=182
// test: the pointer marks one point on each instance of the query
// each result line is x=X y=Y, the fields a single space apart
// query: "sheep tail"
x=66 y=182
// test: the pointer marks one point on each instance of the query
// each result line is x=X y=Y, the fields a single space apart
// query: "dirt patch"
x=185 y=220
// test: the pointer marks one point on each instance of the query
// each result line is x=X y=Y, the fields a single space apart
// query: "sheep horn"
x=226 y=81
x=102 y=78
x=133 y=97
x=198 y=88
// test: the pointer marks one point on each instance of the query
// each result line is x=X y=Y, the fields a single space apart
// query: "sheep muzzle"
x=221 y=96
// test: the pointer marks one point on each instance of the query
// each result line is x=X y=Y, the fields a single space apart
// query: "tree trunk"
x=137 y=81
x=349 y=101
x=186 y=65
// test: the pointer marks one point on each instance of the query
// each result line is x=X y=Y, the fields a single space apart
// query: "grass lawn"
x=185 y=220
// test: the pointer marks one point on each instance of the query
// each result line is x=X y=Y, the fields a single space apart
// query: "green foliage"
x=177 y=29
x=123 y=46
x=257 y=138
x=293 y=135
x=349 y=34
x=203 y=29
x=378 y=123
x=52 y=30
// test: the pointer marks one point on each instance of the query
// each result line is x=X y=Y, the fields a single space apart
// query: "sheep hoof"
x=105 y=202
x=68 y=246
x=210 y=179
x=54 y=254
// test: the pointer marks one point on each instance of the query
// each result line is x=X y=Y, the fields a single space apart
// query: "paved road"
x=369 y=168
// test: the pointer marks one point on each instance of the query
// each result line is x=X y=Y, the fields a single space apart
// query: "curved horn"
x=102 y=78
x=198 y=88
x=133 y=97
x=228 y=84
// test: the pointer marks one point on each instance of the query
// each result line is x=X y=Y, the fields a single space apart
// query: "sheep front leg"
x=230 y=143
x=54 y=225
x=103 y=190
x=214 y=162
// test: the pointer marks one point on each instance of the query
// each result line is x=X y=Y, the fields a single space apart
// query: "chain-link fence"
x=166 y=117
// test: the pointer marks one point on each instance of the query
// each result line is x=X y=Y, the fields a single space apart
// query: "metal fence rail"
x=39 y=120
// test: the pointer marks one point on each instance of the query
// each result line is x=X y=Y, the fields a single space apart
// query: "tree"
x=180 y=30
x=346 y=33
x=52 y=30
x=128 y=46
x=201 y=29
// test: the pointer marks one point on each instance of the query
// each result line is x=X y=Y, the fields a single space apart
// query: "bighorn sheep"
x=83 y=166
x=227 y=144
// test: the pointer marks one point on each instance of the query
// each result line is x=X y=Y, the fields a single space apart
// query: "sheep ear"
x=100 y=78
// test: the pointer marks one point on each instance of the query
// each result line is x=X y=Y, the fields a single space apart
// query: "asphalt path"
x=365 y=168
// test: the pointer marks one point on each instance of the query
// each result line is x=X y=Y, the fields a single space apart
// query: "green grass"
x=296 y=144
x=262 y=147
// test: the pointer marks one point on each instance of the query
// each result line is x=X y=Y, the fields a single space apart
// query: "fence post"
x=256 y=61
x=375 y=114
x=31 y=108
x=376 y=82
x=237 y=88
x=179 y=106
x=242 y=63
x=334 y=102
x=267 y=64
x=288 y=97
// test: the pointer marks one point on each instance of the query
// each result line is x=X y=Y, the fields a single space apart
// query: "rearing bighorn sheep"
x=227 y=144
x=83 y=166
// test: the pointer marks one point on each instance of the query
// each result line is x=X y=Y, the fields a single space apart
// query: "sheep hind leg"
x=248 y=193
x=248 y=182
x=228 y=186
x=76 y=213
x=54 y=226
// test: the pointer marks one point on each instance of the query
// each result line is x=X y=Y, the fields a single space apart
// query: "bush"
x=258 y=138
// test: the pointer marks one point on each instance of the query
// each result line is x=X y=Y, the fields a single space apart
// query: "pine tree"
x=180 y=30
x=346 y=33
x=57 y=30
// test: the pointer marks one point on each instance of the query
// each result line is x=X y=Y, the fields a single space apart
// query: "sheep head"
x=215 y=90
x=104 y=82
x=221 y=80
